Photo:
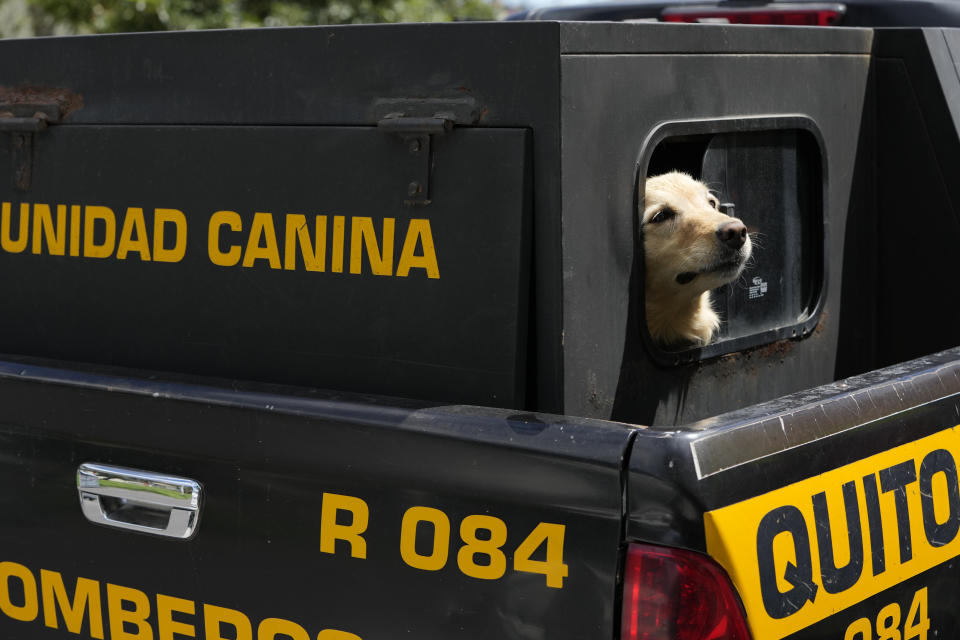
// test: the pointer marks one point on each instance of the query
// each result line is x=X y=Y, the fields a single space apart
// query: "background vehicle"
x=853 y=13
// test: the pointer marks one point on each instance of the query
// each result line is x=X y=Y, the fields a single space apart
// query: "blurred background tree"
x=20 y=18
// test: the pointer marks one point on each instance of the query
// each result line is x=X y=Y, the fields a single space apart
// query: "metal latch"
x=21 y=121
x=141 y=501
x=416 y=121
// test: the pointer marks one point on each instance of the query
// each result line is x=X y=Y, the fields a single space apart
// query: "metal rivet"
x=414 y=146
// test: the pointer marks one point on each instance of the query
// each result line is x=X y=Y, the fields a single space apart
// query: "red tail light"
x=814 y=15
x=671 y=594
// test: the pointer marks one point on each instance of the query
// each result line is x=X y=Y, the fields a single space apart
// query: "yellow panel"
x=795 y=558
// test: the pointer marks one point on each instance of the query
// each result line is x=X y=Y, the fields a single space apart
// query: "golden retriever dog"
x=691 y=248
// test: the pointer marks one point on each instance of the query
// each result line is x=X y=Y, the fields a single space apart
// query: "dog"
x=691 y=248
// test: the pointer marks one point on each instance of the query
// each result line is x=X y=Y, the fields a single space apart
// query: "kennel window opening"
x=772 y=174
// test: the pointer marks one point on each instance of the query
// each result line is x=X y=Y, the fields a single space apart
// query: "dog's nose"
x=733 y=234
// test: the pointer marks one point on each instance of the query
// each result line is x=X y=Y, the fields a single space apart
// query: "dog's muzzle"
x=732 y=235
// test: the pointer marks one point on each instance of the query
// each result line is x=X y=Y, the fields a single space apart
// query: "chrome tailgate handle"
x=141 y=501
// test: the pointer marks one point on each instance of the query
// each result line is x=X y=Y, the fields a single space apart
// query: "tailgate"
x=316 y=514
x=835 y=511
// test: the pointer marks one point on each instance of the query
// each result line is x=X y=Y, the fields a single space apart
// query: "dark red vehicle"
x=851 y=13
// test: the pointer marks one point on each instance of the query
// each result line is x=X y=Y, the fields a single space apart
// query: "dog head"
x=690 y=246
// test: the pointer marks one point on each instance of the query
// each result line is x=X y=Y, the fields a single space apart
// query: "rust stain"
x=29 y=94
x=821 y=324
x=773 y=351
x=778 y=349
x=732 y=357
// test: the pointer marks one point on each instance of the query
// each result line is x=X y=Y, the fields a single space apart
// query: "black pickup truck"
x=338 y=333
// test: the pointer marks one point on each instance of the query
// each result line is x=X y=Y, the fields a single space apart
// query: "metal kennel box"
x=442 y=212
x=773 y=125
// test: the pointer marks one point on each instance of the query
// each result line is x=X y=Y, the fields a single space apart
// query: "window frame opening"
x=697 y=134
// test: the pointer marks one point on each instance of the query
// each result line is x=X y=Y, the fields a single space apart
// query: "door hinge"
x=416 y=122
x=21 y=121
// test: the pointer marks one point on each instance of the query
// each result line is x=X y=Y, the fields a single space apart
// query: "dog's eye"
x=713 y=202
x=662 y=216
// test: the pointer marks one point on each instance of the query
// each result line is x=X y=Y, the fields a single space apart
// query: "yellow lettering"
x=553 y=566
x=9 y=244
x=90 y=248
x=55 y=595
x=437 y=558
x=487 y=547
x=336 y=258
x=128 y=609
x=262 y=227
x=334 y=634
x=331 y=531
x=272 y=627
x=28 y=611
x=133 y=221
x=381 y=264
x=232 y=255
x=43 y=229
x=314 y=256
x=166 y=625
x=116 y=596
x=161 y=218
x=75 y=223
x=214 y=617
x=418 y=231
